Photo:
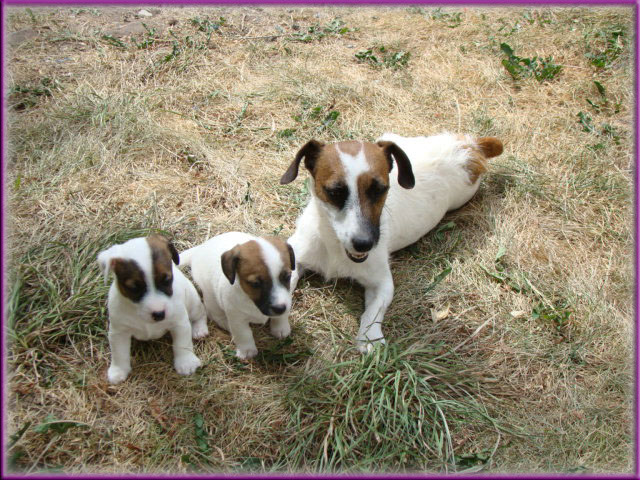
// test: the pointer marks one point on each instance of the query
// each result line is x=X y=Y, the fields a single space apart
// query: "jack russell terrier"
x=148 y=298
x=244 y=279
x=358 y=214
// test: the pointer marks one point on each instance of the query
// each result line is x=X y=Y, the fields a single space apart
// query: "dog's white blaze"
x=274 y=263
x=346 y=222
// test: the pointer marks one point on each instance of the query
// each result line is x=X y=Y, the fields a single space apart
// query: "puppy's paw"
x=199 y=329
x=280 y=329
x=186 y=364
x=245 y=353
x=117 y=375
x=366 y=345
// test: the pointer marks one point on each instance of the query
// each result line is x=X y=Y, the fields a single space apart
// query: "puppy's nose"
x=278 y=309
x=157 y=316
x=362 y=244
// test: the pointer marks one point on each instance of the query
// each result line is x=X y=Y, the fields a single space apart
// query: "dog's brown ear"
x=158 y=241
x=174 y=253
x=229 y=262
x=309 y=152
x=490 y=146
x=292 y=257
x=405 y=172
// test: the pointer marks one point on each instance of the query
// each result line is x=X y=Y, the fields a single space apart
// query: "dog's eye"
x=285 y=278
x=376 y=190
x=337 y=195
x=134 y=286
x=255 y=283
x=166 y=280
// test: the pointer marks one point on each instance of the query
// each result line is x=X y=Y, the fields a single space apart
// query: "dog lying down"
x=360 y=211
x=148 y=299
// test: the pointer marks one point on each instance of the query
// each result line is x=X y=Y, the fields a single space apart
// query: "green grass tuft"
x=402 y=405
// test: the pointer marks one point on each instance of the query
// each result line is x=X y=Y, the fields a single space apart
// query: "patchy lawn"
x=510 y=333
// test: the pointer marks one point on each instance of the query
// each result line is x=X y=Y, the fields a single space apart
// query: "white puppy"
x=244 y=279
x=358 y=213
x=148 y=298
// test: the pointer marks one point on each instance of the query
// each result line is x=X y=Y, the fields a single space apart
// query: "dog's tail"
x=185 y=258
x=489 y=146
x=484 y=148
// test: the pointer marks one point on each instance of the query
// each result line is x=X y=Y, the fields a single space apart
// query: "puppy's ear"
x=229 y=262
x=174 y=253
x=405 y=172
x=309 y=152
x=489 y=146
x=292 y=257
x=105 y=262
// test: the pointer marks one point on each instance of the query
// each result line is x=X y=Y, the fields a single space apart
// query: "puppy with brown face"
x=149 y=298
x=244 y=279
x=361 y=210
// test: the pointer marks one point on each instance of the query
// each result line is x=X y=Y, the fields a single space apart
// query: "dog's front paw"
x=186 y=363
x=245 y=353
x=366 y=343
x=117 y=375
x=199 y=329
x=280 y=329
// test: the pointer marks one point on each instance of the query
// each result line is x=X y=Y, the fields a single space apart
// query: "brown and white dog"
x=359 y=212
x=244 y=279
x=148 y=298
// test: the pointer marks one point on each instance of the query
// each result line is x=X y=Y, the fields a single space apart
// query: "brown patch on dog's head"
x=329 y=177
x=288 y=259
x=162 y=254
x=482 y=149
x=130 y=278
x=246 y=263
x=374 y=183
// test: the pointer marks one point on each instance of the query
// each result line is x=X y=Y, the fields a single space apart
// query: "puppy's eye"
x=255 y=283
x=285 y=278
x=166 y=280
x=134 y=286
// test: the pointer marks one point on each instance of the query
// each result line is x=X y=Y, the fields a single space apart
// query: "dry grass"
x=110 y=138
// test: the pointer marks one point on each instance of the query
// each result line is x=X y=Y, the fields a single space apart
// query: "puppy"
x=244 y=279
x=148 y=298
x=359 y=211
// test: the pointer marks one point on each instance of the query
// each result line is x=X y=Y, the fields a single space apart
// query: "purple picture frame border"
x=5 y=474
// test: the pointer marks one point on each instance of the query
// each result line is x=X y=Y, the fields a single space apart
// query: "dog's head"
x=144 y=273
x=262 y=267
x=351 y=180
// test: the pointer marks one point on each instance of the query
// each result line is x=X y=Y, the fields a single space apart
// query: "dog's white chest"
x=149 y=331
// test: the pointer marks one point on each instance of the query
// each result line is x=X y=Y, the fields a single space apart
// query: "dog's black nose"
x=278 y=309
x=157 y=316
x=362 y=244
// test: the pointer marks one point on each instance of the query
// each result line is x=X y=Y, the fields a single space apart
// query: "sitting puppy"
x=244 y=279
x=359 y=213
x=148 y=298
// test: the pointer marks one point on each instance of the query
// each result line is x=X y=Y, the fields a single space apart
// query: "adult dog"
x=358 y=213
